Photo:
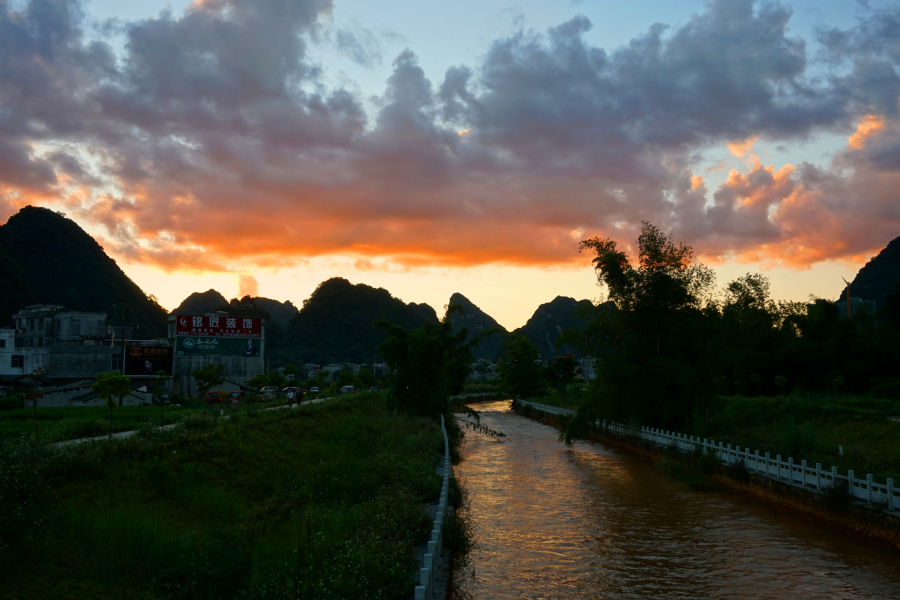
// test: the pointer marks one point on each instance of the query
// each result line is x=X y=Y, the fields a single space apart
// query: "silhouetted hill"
x=476 y=320
x=64 y=265
x=548 y=321
x=201 y=302
x=14 y=292
x=335 y=323
x=281 y=312
x=210 y=300
x=879 y=276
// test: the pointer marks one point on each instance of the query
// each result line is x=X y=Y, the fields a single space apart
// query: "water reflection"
x=590 y=522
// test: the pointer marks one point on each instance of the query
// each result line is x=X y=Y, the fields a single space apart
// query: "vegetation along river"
x=592 y=522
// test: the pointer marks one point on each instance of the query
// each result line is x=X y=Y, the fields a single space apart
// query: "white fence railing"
x=877 y=495
x=431 y=560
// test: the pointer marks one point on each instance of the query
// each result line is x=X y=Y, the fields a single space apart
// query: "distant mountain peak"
x=549 y=320
x=879 y=276
x=476 y=320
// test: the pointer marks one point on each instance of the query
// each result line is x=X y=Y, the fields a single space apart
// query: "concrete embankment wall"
x=431 y=562
x=871 y=509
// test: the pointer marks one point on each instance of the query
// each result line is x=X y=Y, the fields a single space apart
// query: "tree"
x=160 y=383
x=561 y=370
x=426 y=365
x=207 y=377
x=656 y=365
x=34 y=396
x=519 y=368
x=111 y=385
x=366 y=378
x=484 y=368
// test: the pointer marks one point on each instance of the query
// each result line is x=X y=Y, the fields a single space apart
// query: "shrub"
x=160 y=476
x=837 y=496
x=738 y=471
x=11 y=402
x=708 y=463
x=198 y=422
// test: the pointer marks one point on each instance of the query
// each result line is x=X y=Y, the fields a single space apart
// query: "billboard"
x=226 y=347
x=147 y=360
x=235 y=327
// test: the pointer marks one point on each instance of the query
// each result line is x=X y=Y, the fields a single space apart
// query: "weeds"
x=213 y=509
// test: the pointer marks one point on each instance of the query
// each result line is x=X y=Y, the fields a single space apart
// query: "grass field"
x=57 y=424
x=325 y=501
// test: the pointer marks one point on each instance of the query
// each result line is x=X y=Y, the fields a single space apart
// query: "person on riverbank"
x=291 y=398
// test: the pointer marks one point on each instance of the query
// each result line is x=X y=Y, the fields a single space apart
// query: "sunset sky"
x=262 y=146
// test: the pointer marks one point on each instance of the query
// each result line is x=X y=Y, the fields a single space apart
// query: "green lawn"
x=325 y=501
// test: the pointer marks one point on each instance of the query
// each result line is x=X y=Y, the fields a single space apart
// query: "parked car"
x=346 y=389
x=217 y=397
x=268 y=391
x=313 y=390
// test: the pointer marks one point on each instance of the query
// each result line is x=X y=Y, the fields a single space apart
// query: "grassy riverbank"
x=813 y=427
x=325 y=501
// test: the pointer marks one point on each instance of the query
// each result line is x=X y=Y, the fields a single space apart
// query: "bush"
x=160 y=476
x=837 y=495
x=12 y=402
x=198 y=422
x=708 y=463
x=216 y=568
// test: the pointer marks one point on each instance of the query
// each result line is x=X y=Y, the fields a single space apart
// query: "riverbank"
x=833 y=508
x=324 y=500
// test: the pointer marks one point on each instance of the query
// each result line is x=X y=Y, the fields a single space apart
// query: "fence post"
x=420 y=592
x=819 y=477
x=890 y=486
x=778 y=466
x=869 y=488
x=791 y=469
x=803 y=469
x=850 y=486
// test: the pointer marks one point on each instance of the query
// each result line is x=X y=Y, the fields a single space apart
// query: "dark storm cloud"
x=215 y=131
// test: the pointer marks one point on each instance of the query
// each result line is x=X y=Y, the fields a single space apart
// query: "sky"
x=262 y=146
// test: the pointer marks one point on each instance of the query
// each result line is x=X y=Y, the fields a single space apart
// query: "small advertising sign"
x=147 y=360
x=235 y=327
x=225 y=347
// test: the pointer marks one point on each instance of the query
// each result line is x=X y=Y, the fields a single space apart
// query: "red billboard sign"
x=238 y=327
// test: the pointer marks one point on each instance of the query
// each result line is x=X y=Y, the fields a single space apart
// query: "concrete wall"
x=237 y=371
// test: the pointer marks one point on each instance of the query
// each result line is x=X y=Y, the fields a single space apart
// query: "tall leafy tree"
x=426 y=365
x=207 y=377
x=520 y=367
x=110 y=386
x=656 y=362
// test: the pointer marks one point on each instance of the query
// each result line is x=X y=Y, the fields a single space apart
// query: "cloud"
x=247 y=285
x=361 y=46
x=212 y=142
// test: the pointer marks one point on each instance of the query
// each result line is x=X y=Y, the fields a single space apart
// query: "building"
x=856 y=305
x=68 y=343
x=216 y=338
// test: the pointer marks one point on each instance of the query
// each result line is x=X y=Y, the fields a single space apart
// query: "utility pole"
x=848 y=297
x=123 y=335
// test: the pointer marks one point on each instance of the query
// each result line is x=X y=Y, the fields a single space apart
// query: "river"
x=593 y=522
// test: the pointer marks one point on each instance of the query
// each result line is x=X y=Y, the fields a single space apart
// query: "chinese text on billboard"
x=238 y=327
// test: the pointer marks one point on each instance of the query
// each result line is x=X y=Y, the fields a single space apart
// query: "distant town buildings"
x=856 y=305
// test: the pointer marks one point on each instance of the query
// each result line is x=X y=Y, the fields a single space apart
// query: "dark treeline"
x=670 y=343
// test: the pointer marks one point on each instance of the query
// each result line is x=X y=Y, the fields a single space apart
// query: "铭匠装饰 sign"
x=226 y=347
x=239 y=327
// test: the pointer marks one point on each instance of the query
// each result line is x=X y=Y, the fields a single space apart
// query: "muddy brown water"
x=593 y=522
